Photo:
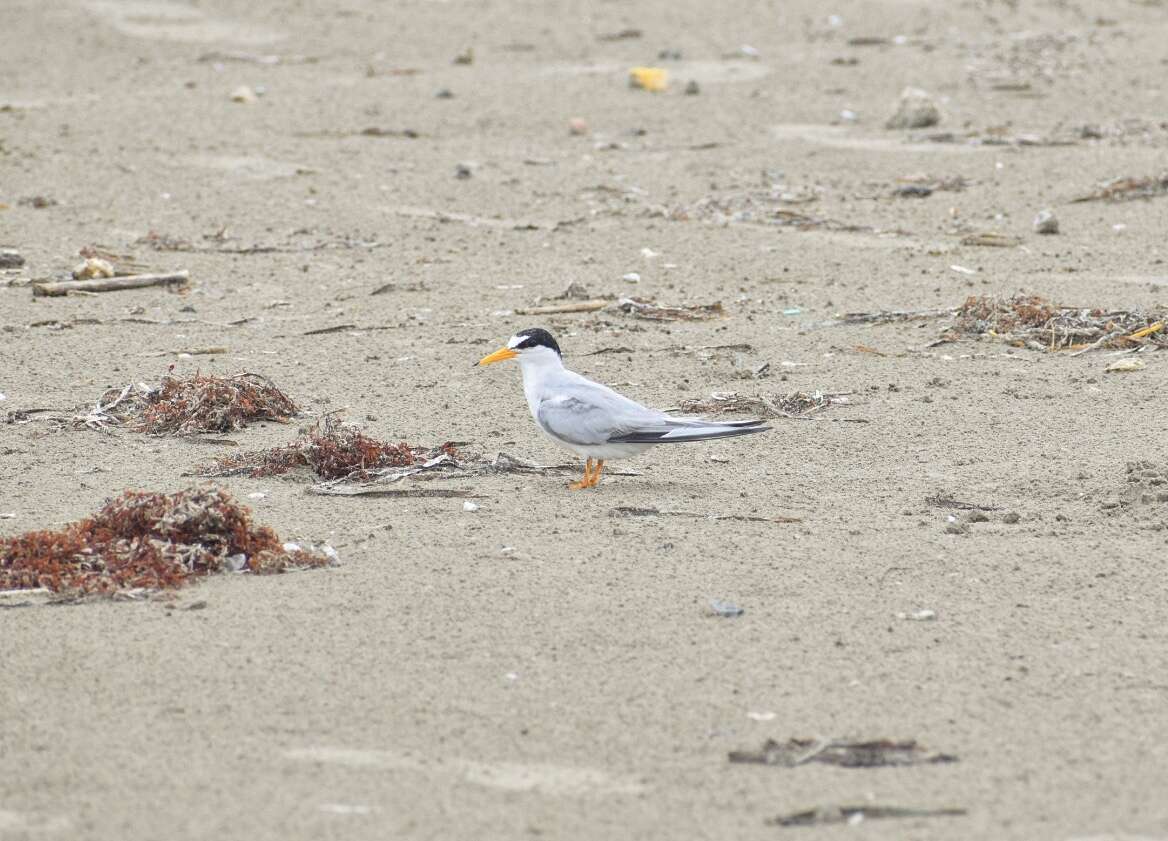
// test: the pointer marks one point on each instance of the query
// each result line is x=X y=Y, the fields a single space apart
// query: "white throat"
x=538 y=365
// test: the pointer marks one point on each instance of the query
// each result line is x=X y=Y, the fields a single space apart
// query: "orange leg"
x=595 y=480
x=586 y=482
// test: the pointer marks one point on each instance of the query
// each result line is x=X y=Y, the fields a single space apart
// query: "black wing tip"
x=662 y=437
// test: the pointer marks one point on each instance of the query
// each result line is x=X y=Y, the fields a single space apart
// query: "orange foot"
x=595 y=480
x=586 y=482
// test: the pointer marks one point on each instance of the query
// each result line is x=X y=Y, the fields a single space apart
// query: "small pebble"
x=1126 y=366
x=692 y=88
x=469 y=507
x=631 y=277
x=925 y=615
x=956 y=528
x=1011 y=517
x=10 y=258
x=914 y=109
x=463 y=171
x=445 y=93
x=577 y=126
x=1046 y=223
x=244 y=94
x=727 y=610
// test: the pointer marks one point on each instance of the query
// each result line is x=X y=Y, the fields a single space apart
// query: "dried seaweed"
x=797 y=404
x=1127 y=189
x=1031 y=321
x=331 y=450
x=664 y=312
x=191 y=405
x=871 y=754
x=148 y=540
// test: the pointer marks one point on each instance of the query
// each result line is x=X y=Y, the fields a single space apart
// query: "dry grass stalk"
x=191 y=405
x=331 y=450
x=148 y=540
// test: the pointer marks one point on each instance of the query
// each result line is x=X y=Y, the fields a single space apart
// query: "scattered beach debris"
x=892 y=316
x=1031 y=321
x=628 y=34
x=634 y=511
x=851 y=815
x=245 y=95
x=466 y=57
x=923 y=615
x=330 y=450
x=651 y=310
x=446 y=462
x=38 y=202
x=1046 y=222
x=991 y=239
x=1145 y=483
x=378 y=489
x=567 y=307
x=914 y=109
x=176 y=281
x=92 y=267
x=191 y=405
x=149 y=540
x=847 y=754
x=1125 y=366
x=922 y=185
x=653 y=79
x=944 y=499
x=725 y=610
x=1128 y=188
x=797 y=404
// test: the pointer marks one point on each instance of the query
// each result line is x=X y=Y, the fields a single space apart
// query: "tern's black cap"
x=535 y=337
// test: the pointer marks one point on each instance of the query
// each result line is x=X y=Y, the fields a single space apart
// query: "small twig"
x=574 y=306
x=109 y=284
x=819 y=747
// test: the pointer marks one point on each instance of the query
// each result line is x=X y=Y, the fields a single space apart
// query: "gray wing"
x=589 y=413
x=587 y=419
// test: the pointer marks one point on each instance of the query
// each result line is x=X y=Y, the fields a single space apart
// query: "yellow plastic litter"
x=1147 y=331
x=653 y=79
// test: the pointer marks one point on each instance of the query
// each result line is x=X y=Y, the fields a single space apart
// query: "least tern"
x=591 y=419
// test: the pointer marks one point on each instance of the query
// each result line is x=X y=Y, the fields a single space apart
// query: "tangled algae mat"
x=149 y=540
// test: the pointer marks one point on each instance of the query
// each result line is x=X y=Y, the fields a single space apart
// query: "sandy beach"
x=962 y=544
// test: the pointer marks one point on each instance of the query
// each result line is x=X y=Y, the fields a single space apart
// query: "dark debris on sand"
x=190 y=405
x=331 y=450
x=1028 y=320
x=148 y=540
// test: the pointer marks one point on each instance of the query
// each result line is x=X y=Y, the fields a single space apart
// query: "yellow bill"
x=501 y=355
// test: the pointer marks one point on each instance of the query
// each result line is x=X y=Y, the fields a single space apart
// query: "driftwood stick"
x=575 y=306
x=110 y=284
